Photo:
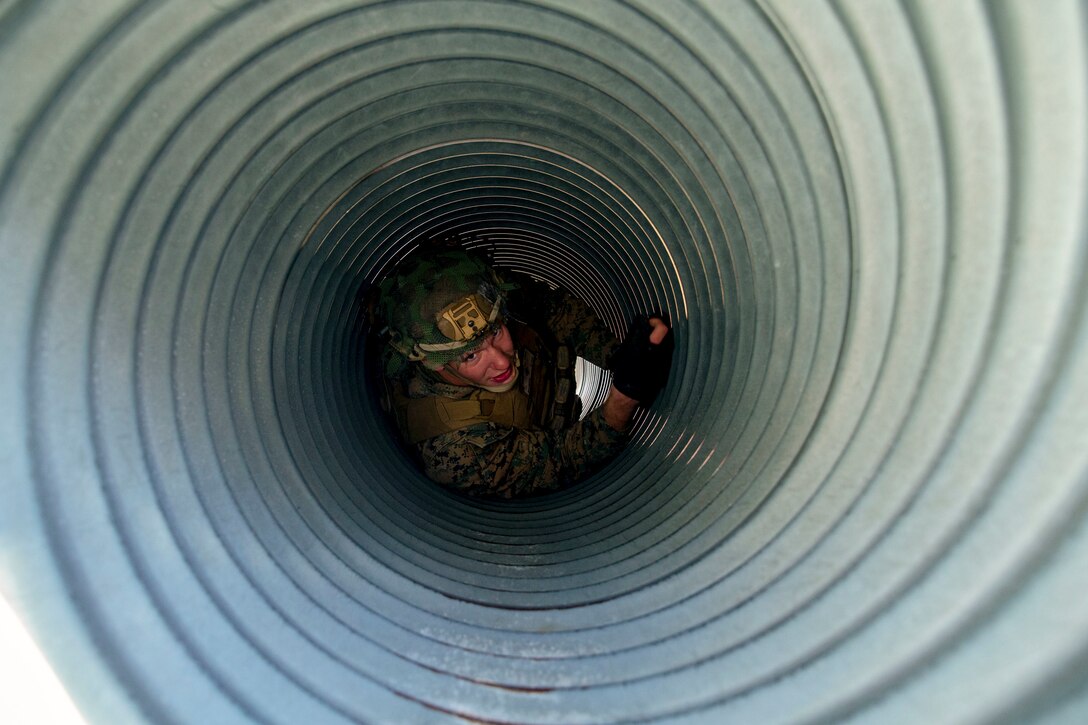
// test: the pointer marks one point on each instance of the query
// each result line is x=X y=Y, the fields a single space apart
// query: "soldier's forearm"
x=618 y=409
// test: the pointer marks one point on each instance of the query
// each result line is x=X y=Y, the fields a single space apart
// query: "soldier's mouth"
x=504 y=377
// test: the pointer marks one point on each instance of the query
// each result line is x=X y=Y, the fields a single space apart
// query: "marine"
x=479 y=375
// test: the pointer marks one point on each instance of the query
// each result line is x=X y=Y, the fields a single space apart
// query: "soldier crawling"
x=480 y=375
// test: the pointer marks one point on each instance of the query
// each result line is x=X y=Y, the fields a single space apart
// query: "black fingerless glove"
x=640 y=369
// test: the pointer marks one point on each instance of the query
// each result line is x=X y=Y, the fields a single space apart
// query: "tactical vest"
x=543 y=398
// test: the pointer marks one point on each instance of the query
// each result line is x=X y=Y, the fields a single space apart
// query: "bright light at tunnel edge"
x=30 y=692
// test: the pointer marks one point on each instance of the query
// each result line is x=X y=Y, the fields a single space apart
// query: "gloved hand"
x=640 y=368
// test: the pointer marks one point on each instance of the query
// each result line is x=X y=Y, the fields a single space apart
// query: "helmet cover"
x=439 y=306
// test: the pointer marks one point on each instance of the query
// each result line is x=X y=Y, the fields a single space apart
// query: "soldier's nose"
x=499 y=359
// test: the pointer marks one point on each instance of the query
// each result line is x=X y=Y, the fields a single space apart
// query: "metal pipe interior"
x=862 y=493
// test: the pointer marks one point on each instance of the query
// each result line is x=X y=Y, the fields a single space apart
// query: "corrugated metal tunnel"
x=863 y=493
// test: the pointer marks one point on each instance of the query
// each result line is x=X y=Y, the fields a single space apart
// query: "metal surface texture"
x=862 y=495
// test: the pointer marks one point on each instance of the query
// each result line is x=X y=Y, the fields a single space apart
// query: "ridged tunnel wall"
x=862 y=495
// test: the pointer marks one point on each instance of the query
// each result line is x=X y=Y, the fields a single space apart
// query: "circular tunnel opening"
x=873 y=370
x=533 y=211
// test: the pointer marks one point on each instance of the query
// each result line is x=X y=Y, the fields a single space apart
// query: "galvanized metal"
x=862 y=495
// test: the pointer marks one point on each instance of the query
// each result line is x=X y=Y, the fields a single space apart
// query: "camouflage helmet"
x=438 y=306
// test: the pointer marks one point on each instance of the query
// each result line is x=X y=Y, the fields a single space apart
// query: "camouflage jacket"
x=489 y=459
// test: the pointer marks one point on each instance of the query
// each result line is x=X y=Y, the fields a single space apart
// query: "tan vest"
x=544 y=397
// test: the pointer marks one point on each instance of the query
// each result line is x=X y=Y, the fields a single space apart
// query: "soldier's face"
x=489 y=366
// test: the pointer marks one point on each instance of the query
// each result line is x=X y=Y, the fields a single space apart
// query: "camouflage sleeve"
x=496 y=461
x=572 y=322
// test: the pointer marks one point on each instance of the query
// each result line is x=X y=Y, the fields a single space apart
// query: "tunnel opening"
x=532 y=210
x=863 y=481
x=523 y=220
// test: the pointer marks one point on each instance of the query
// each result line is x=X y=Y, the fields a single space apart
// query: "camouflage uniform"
x=488 y=458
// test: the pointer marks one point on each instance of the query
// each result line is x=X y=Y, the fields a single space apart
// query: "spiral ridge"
x=862 y=494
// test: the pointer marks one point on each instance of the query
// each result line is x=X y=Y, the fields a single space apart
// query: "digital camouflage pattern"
x=492 y=460
x=438 y=306
x=496 y=461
